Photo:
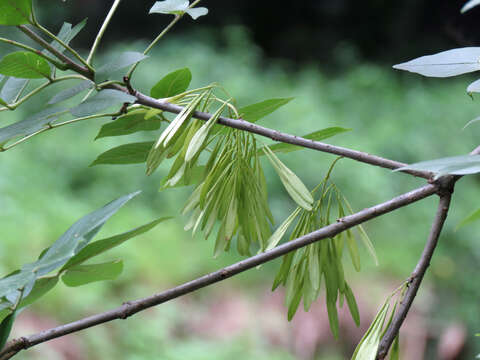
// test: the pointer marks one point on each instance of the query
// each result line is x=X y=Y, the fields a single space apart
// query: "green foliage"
x=134 y=153
x=121 y=62
x=15 y=12
x=24 y=65
x=84 y=274
x=456 y=165
x=134 y=121
x=101 y=101
x=255 y=112
x=172 y=84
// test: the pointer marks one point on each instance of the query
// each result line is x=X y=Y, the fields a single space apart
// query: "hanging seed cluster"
x=302 y=271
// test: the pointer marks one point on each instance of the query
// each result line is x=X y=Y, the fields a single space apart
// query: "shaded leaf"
x=41 y=287
x=352 y=304
x=71 y=92
x=12 y=88
x=469 y=5
x=101 y=246
x=15 y=12
x=255 y=112
x=455 y=165
x=101 y=101
x=316 y=136
x=281 y=230
x=172 y=84
x=444 y=64
x=128 y=124
x=395 y=352
x=77 y=237
x=120 y=62
x=30 y=125
x=84 y=274
x=134 y=153
x=24 y=65
x=6 y=327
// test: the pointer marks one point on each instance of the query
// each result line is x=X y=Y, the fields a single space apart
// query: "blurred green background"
x=47 y=184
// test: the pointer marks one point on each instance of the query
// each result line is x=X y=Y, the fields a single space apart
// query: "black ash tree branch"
x=277 y=135
x=418 y=273
x=132 y=307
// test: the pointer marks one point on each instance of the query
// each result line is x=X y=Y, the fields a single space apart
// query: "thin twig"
x=282 y=137
x=69 y=62
x=104 y=26
x=417 y=275
x=132 y=307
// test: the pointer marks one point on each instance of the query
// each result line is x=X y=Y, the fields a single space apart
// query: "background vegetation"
x=46 y=185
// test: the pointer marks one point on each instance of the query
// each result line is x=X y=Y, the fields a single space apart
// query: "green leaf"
x=24 y=65
x=316 y=136
x=71 y=92
x=455 y=165
x=281 y=230
x=15 y=12
x=469 y=5
x=395 y=352
x=134 y=153
x=333 y=317
x=30 y=124
x=66 y=34
x=6 y=327
x=172 y=84
x=294 y=186
x=85 y=274
x=445 y=64
x=474 y=216
x=76 y=237
x=128 y=124
x=101 y=101
x=11 y=89
x=352 y=304
x=368 y=346
x=255 y=112
x=101 y=246
x=41 y=287
x=120 y=62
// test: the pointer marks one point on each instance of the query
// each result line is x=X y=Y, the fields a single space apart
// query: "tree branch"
x=69 y=62
x=132 y=307
x=279 y=136
x=417 y=275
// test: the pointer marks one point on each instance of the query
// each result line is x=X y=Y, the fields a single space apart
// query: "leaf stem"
x=57 y=64
x=104 y=26
x=65 y=45
x=54 y=126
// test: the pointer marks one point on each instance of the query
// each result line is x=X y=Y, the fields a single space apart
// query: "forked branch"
x=418 y=273
x=132 y=307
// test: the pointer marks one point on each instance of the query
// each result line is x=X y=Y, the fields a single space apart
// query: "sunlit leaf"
x=120 y=62
x=455 y=165
x=15 y=12
x=444 y=64
x=195 y=13
x=470 y=5
x=71 y=92
x=474 y=87
x=281 y=230
x=294 y=186
x=316 y=136
x=101 y=246
x=172 y=84
x=84 y=274
x=255 y=112
x=134 y=153
x=24 y=65
x=176 y=7
x=101 y=101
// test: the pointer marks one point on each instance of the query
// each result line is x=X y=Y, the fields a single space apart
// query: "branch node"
x=446 y=185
